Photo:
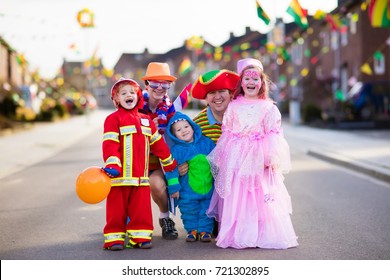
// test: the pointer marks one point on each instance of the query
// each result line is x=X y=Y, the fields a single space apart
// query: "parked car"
x=370 y=101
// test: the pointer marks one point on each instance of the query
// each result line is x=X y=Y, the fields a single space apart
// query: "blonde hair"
x=264 y=89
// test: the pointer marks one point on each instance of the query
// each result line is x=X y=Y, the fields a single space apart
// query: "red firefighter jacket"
x=129 y=137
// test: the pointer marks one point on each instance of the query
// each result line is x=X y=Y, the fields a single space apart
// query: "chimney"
x=247 y=30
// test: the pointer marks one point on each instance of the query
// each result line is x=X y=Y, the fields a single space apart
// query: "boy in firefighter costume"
x=129 y=136
x=196 y=187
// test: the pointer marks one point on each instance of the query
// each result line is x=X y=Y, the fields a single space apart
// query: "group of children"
x=237 y=179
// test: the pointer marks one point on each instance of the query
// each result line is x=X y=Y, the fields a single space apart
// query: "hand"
x=183 y=169
x=111 y=172
x=175 y=195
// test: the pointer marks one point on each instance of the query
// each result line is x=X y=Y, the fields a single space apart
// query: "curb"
x=375 y=172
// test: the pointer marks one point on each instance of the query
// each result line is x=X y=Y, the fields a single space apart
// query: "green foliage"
x=311 y=113
x=8 y=107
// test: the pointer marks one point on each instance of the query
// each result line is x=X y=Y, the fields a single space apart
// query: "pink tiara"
x=242 y=63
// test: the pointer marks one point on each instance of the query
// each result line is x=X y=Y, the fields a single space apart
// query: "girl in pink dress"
x=250 y=201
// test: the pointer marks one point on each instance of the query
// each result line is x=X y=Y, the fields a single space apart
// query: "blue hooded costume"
x=196 y=187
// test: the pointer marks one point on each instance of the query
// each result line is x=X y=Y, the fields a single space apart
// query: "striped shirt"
x=213 y=131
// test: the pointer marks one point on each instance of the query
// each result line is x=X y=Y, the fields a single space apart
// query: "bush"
x=60 y=110
x=8 y=107
x=25 y=114
x=52 y=109
x=311 y=113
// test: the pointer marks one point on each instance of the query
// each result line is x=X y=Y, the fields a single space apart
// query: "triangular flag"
x=333 y=21
x=261 y=14
x=185 y=67
x=182 y=100
x=299 y=15
x=320 y=14
x=366 y=69
x=379 y=13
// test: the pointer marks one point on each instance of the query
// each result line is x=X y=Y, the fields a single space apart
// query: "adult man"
x=216 y=88
x=157 y=105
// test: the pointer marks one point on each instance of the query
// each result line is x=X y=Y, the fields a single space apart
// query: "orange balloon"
x=93 y=185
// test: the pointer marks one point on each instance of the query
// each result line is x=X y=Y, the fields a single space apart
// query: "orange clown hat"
x=158 y=71
x=214 y=80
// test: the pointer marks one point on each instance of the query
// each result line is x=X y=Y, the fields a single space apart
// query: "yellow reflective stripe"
x=127 y=129
x=132 y=243
x=147 y=234
x=146 y=130
x=143 y=181
x=156 y=136
x=114 y=236
x=114 y=136
x=147 y=158
x=127 y=155
x=113 y=160
x=167 y=161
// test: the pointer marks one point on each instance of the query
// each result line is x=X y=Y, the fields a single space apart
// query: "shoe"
x=168 y=228
x=205 y=237
x=115 y=247
x=192 y=236
x=142 y=245
x=145 y=245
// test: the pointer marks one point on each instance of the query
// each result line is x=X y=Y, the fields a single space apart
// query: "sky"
x=47 y=31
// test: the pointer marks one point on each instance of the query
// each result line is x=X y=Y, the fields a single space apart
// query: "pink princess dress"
x=250 y=200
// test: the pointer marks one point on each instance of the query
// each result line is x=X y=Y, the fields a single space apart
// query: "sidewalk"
x=25 y=148
x=367 y=152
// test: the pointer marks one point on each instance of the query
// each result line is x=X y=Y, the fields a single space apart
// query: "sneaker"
x=192 y=236
x=168 y=228
x=142 y=245
x=115 y=247
x=205 y=237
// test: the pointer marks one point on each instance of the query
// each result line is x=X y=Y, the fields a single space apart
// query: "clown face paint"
x=251 y=83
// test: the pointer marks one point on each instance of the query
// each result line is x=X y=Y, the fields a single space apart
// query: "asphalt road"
x=337 y=214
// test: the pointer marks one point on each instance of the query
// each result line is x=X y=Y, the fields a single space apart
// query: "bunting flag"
x=320 y=14
x=333 y=21
x=185 y=67
x=379 y=13
x=299 y=15
x=21 y=60
x=261 y=14
x=182 y=100
x=366 y=69
x=74 y=48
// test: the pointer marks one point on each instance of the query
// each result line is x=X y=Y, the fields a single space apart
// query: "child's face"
x=251 y=83
x=183 y=131
x=127 y=96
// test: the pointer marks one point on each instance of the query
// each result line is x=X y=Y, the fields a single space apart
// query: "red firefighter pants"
x=133 y=202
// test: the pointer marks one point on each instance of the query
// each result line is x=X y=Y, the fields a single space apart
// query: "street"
x=338 y=214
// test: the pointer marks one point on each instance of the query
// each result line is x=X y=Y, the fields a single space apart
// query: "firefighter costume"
x=129 y=137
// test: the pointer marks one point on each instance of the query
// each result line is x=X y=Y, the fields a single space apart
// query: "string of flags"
x=379 y=15
x=378 y=12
